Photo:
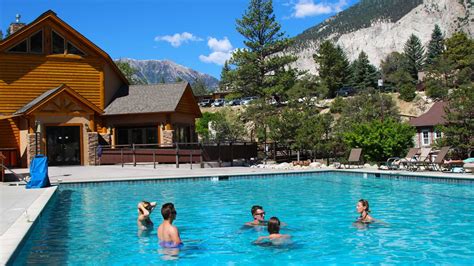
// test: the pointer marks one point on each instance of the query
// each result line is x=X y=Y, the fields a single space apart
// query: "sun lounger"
x=395 y=163
x=439 y=163
x=355 y=158
x=422 y=160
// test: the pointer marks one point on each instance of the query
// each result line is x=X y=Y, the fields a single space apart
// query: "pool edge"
x=12 y=239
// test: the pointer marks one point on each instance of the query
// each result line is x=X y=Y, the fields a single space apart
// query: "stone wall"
x=167 y=137
x=31 y=148
x=93 y=140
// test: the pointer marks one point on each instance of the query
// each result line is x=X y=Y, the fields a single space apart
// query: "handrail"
x=21 y=178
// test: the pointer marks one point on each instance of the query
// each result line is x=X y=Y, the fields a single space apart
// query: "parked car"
x=205 y=103
x=346 y=91
x=218 y=103
x=248 y=100
x=233 y=102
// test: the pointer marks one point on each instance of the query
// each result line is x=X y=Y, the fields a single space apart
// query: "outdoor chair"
x=422 y=160
x=395 y=163
x=355 y=158
x=439 y=162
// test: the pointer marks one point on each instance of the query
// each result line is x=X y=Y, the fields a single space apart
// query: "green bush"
x=407 y=92
x=380 y=140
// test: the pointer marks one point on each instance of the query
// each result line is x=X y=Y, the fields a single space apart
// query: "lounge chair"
x=439 y=162
x=394 y=163
x=354 y=158
x=422 y=160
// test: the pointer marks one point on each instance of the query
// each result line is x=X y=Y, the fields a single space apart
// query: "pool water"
x=424 y=222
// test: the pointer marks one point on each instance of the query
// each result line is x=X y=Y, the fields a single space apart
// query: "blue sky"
x=199 y=34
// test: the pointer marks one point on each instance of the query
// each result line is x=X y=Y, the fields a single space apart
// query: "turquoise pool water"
x=426 y=222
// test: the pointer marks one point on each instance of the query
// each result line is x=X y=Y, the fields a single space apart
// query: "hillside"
x=380 y=27
x=156 y=71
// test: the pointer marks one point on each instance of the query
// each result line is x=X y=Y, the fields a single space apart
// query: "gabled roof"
x=154 y=98
x=434 y=116
x=47 y=95
x=51 y=15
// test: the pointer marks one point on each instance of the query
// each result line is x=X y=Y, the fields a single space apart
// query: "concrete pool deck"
x=20 y=207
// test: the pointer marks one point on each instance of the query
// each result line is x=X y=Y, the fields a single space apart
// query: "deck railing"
x=178 y=153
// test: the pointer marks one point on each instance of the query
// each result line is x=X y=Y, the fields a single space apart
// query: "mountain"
x=155 y=71
x=379 y=27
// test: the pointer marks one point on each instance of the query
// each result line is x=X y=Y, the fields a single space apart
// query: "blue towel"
x=39 y=172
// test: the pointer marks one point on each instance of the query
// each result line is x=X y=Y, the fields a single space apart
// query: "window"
x=22 y=47
x=137 y=135
x=71 y=49
x=425 y=137
x=58 y=43
x=438 y=134
x=36 y=42
x=182 y=133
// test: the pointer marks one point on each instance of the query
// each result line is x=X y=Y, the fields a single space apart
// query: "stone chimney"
x=15 y=26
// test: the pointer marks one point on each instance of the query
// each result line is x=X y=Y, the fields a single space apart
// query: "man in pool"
x=258 y=215
x=144 y=210
x=274 y=233
x=168 y=234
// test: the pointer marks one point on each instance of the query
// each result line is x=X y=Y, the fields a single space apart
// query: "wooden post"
x=231 y=155
x=200 y=149
x=191 y=158
x=154 y=160
x=121 y=155
x=275 y=151
x=177 y=155
x=133 y=154
x=219 y=152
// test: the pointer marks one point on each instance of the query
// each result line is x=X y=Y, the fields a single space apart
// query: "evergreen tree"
x=261 y=68
x=199 y=87
x=333 y=66
x=129 y=72
x=162 y=80
x=225 y=84
x=459 y=130
x=435 y=46
x=415 y=54
x=364 y=74
x=178 y=79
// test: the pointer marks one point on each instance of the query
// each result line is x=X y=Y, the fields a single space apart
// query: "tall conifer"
x=435 y=46
x=415 y=54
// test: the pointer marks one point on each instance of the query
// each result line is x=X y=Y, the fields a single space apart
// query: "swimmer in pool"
x=258 y=216
x=144 y=210
x=363 y=209
x=274 y=230
x=168 y=234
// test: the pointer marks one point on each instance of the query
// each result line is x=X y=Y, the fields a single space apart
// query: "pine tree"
x=225 y=84
x=415 y=54
x=364 y=74
x=199 y=87
x=333 y=66
x=260 y=67
x=435 y=46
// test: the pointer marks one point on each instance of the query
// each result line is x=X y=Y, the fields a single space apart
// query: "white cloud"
x=178 y=38
x=221 y=51
x=307 y=8
x=219 y=45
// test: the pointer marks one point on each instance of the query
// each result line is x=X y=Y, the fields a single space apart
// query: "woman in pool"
x=363 y=209
x=144 y=210
x=274 y=232
x=168 y=234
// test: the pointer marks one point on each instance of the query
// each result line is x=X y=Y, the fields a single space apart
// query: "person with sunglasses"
x=258 y=216
x=168 y=234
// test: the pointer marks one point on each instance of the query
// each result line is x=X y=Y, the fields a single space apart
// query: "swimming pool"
x=426 y=221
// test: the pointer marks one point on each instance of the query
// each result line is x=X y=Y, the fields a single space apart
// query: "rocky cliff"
x=385 y=32
x=157 y=71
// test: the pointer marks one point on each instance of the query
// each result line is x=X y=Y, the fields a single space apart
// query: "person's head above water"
x=168 y=211
x=258 y=213
x=274 y=225
x=363 y=205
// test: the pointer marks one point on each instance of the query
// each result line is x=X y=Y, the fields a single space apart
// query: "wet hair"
x=168 y=210
x=365 y=203
x=146 y=205
x=255 y=208
x=274 y=225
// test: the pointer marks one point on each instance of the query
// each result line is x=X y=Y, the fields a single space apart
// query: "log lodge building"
x=61 y=95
